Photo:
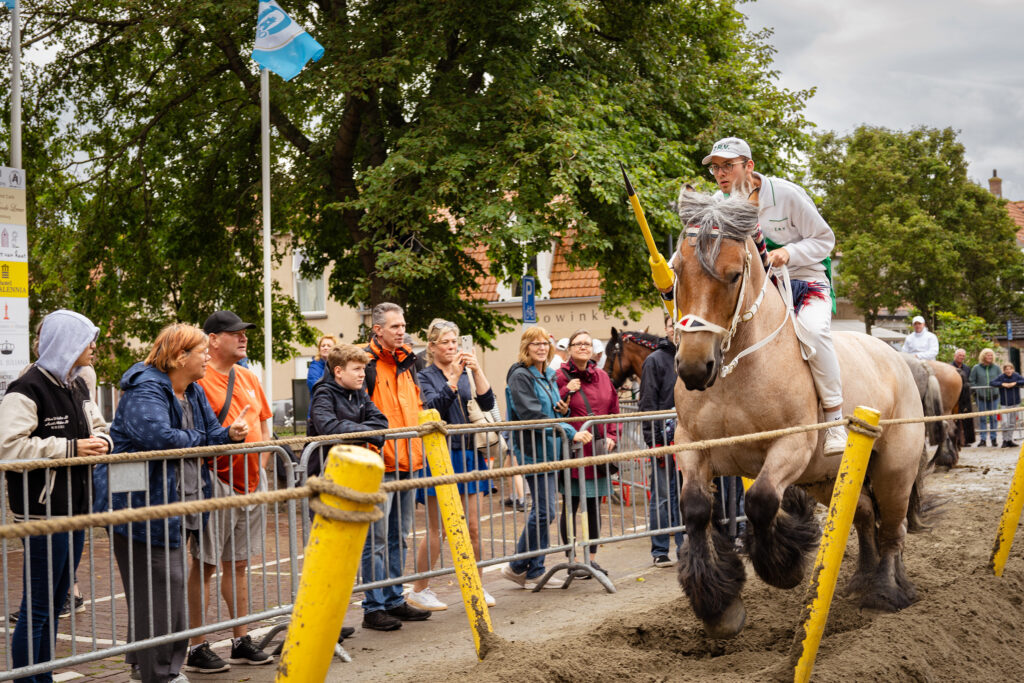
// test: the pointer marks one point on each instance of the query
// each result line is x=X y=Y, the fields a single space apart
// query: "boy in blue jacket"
x=1009 y=384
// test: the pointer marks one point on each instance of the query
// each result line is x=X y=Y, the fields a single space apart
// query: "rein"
x=691 y=322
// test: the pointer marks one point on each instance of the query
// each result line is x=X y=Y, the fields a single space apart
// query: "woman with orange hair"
x=161 y=408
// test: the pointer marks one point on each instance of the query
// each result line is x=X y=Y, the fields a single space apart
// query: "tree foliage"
x=427 y=128
x=911 y=228
x=970 y=333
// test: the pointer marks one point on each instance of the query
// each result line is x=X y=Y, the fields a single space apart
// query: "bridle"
x=691 y=322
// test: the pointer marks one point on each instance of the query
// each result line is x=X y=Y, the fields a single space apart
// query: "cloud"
x=908 y=64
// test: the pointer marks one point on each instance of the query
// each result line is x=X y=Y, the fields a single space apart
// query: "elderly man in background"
x=921 y=343
x=964 y=428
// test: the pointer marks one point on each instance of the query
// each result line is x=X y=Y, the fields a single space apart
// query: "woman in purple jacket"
x=589 y=391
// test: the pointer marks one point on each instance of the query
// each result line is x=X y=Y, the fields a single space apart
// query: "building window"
x=310 y=293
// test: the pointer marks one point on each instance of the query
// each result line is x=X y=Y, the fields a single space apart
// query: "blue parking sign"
x=529 y=300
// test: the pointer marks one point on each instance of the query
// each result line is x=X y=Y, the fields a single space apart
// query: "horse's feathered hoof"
x=732 y=621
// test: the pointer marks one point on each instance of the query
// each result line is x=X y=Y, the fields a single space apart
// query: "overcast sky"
x=907 y=63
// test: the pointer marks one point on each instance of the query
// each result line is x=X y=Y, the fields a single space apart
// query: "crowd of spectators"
x=193 y=390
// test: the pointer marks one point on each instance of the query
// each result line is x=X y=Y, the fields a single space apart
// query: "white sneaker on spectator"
x=553 y=582
x=489 y=599
x=514 y=576
x=425 y=599
x=835 y=440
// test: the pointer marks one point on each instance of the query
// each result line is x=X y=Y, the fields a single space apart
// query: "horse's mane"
x=733 y=219
x=644 y=337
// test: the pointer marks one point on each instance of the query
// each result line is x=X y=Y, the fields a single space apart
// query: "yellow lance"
x=664 y=278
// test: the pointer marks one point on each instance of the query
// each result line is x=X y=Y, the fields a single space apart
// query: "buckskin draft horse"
x=725 y=303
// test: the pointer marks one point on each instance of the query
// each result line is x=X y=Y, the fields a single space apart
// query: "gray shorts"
x=232 y=535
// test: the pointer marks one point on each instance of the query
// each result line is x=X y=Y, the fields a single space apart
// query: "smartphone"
x=466 y=343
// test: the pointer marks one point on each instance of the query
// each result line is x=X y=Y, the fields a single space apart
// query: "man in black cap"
x=230 y=537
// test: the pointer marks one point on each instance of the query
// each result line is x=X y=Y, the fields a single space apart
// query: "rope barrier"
x=315 y=486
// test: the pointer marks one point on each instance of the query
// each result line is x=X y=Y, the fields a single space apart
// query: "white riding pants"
x=815 y=317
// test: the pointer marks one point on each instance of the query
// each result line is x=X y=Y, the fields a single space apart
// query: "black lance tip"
x=629 y=185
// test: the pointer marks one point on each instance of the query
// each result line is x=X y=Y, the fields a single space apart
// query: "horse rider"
x=797 y=237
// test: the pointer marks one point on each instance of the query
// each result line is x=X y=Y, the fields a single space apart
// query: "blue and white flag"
x=282 y=45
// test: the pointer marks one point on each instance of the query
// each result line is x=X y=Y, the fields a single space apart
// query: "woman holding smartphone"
x=445 y=387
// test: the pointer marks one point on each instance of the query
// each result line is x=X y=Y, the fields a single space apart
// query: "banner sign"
x=14 y=345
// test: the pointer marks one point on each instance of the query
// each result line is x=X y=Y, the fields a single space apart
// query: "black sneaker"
x=663 y=561
x=202 y=659
x=13 y=617
x=65 y=611
x=381 y=621
x=244 y=651
x=407 y=612
x=346 y=632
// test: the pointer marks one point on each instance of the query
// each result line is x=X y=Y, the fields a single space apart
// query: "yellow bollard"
x=453 y=519
x=329 y=571
x=1010 y=519
x=845 y=493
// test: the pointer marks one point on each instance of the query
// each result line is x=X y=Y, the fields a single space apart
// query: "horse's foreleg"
x=710 y=571
x=867 y=546
x=781 y=530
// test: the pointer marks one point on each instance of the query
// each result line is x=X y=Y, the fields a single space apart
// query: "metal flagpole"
x=268 y=356
x=16 y=87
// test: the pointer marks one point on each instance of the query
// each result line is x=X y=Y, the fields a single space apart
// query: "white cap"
x=562 y=344
x=728 y=148
x=917 y=319
x=598 y=347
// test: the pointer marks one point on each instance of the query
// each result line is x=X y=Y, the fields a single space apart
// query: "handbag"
x=599 y=446
x=488 y=439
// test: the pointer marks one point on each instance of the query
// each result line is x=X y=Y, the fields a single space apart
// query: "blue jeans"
x=983 y=405
x=663 y=508
x=389 y=532
x=43 y=555
x=729 y=488
x=544 y=490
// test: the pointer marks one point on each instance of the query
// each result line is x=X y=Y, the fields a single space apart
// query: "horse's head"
x=712 y=266
x=613 y=365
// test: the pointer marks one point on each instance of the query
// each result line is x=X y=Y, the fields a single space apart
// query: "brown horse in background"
x=728 y=309
x=625 y=355
x=939 y=385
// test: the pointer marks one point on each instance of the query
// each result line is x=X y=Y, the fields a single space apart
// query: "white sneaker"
x=489 y=599
x=426 y=599
x=835 y=440
x=514 y=577
x=553 y=582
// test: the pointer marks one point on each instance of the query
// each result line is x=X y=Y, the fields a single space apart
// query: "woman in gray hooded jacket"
x=47 y=414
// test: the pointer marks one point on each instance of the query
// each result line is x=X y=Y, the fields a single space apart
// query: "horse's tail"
x=931 y=401
x=916 y=504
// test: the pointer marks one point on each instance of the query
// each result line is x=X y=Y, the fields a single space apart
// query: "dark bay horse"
x=626 y=353
x=741 y=371
x=939 y=385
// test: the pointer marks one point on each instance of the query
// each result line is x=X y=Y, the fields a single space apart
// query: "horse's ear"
x=615 y=333
x=647 y=329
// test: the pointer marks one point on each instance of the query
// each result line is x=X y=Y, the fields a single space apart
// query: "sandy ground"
x=966 y=626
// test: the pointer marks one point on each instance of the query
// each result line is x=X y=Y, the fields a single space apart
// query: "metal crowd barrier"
x=100 y=628
x=1007 y=425
x=624 y=503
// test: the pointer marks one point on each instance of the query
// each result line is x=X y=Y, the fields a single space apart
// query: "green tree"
x=911 y=228
x=427 y=128
x=970 y=333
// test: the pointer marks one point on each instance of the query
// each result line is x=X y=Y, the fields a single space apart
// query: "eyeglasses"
x=713 y=169
x=582 y=345
x=539 y=344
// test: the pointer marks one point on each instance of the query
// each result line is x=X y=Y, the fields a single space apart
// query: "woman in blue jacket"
x=532 y=394
x=446 y=386
x=161 y=408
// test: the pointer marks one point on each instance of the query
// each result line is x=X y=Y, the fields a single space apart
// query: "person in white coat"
x=921 y=343
x=799 y=238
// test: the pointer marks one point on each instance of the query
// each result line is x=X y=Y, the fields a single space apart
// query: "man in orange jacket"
x=391 y=384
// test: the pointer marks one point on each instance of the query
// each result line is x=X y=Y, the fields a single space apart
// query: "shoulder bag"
x=488 y=440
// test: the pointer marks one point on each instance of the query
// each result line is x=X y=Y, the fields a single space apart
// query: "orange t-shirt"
x=244 y=468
